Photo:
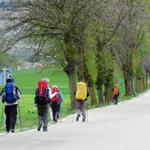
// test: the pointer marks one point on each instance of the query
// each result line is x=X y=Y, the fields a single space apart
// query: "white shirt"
x=50 y=93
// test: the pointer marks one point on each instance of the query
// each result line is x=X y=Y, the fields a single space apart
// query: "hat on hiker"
x=55 y=86
x=46 y=79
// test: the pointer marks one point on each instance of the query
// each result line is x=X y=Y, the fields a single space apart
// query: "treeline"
x=7 y=6
x=89 y=39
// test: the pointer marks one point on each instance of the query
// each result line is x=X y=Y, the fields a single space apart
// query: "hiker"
x=115 y=94
x=10 y=97
x=42 y=100
x=56 y=103
x=12 y=79
x=81 y=95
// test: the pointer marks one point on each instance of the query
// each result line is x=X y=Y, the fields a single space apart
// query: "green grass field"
x=27 y=79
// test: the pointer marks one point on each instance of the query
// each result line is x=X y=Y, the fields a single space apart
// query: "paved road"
x=122 y=127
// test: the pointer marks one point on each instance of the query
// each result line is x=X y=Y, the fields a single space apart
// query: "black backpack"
x=42 y=98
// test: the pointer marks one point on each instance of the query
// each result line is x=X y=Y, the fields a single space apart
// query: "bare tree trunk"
x=72 y=84
x=100 y=94
x=136 y=85
x=143 y=83
x=80 y=64
x=83 y=73
x=128 y=84
x=141 y=86
x=90 y=82
x=146 y=80
x=133 y=85
x=108 y=93
x=128 y=78
x=71 y=63
x=93 y=95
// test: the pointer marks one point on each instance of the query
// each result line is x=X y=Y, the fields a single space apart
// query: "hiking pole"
x=87 y=111
x=19 y=116
x=73 y=118
x=75 y=113
x=60 y=114
x=50 y=112
x=2 y=115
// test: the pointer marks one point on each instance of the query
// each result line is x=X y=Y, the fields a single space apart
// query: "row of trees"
x=87 y=38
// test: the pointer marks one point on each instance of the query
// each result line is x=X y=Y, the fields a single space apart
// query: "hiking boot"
x=83 y=120
x=78 y=116
x=12 y=130
x=45 y=129
x=56 y=118
x=39 y=127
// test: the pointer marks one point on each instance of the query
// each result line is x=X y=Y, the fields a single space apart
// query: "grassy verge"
x=28 y=113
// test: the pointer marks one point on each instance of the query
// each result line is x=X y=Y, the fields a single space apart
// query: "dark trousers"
x=11 y=116
x=55 y=110
x=43 y=115
x=81 y=108
x=115 y=99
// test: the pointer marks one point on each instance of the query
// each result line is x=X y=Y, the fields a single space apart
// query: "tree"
x=104 y=27
x=56 y=19
x=127 y=42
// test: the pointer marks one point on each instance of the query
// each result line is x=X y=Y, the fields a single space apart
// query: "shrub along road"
x=122 y=127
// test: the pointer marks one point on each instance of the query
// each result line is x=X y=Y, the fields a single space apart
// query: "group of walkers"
x=46 y=98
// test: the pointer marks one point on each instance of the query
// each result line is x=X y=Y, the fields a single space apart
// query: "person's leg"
x=83 y=110
x=45 y=117
x=115 y=99
x=53 y=110
x=40 y=118
x=13 y=117
x=7 y=120
x=78 y=105
x=58 y=110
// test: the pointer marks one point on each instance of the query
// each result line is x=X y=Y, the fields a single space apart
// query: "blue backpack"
x=10 y=93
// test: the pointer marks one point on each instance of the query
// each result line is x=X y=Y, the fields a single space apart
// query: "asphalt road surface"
x=122 y=127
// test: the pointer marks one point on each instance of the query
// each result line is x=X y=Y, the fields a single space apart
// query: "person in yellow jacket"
x=81 y=95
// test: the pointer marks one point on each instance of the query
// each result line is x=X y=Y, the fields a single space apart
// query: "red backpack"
x=42 y=93
x=42 y=87
x=56 y=98
x=116 y=90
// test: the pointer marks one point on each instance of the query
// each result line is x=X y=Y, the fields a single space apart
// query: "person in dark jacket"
x=42 y=103
x=10 y=97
